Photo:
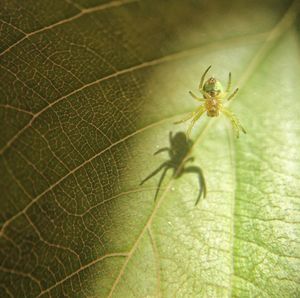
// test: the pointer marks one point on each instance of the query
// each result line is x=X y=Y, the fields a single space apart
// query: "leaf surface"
x=90 y=90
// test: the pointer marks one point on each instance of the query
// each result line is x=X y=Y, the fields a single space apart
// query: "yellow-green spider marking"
x=213 y=96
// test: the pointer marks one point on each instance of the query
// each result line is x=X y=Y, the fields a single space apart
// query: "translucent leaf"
x=90 y=90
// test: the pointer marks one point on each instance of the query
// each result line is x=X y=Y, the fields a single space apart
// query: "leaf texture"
x=89 y=91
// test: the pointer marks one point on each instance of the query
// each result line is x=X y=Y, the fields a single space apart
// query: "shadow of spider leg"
x=165 y=167
x=165 y=149
x=178 y=151
x=202 y=184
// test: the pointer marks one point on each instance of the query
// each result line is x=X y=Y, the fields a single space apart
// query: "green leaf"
x=90 y=90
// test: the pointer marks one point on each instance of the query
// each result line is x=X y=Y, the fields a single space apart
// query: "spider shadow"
x=179 y=149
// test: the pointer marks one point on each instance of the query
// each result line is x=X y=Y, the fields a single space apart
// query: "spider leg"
x=234 y=121
x=229 y=83
x=202 y=184
x=200 y=112
x=196 y=97
x=205 y=95
x=185 y=161
x=188 y=116
x=203 y=77
x=233 y=94
x=165 y=164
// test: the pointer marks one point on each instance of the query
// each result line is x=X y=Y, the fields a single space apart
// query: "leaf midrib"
x=164 y=59
x=89 y=264
x=284 y=24
x=154 y=62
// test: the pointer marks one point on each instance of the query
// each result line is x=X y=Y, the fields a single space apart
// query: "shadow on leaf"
x=178 y=150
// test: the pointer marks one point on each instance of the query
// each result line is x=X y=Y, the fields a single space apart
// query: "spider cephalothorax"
x=213 y=96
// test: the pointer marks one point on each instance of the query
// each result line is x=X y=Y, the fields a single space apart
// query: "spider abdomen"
x=212 y=106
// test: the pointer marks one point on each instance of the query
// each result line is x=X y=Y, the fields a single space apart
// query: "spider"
x=213 y=96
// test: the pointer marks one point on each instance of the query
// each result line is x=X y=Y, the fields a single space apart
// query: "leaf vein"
x=79 y=167
x=158 y=61
x=83 y=12
x=82 y=268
